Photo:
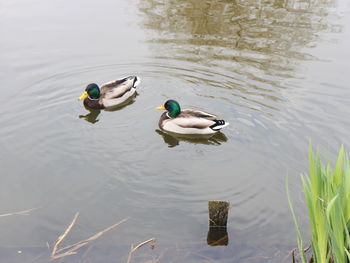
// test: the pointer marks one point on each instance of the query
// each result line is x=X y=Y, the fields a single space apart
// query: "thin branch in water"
x=306 y=249
x=92 y=238
x=292 y=252
x=133 y=249
x=71 y=249
x=61 y=237
x=24 y=212
x=293 y=255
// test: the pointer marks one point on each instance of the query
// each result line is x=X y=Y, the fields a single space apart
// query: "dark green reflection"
x=174 y=139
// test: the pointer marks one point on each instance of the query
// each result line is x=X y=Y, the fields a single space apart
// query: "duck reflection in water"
x=93 y=114
x=173 y=139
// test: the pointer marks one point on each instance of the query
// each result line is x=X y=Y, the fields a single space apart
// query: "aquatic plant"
x=327 y=196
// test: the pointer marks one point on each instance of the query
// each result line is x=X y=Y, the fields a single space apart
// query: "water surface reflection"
x=257 y=63
x=173 y=139
x=91 y=116
x=259 y=44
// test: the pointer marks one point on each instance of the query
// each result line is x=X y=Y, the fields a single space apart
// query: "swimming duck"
x=111 y=94
x=188 y=121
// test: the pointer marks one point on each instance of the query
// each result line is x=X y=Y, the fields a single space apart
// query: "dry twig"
x=293 y=251
x=24 y=212
x=133 y=249
x=61 y=237
x=71 y=249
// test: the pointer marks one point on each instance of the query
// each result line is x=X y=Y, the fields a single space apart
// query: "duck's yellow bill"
x=160 y=107
x=84 y=95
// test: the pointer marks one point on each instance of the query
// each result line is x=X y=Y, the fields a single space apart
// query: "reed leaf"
x=296 y=224
x=327 y=196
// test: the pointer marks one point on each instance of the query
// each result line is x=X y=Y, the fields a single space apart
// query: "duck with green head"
x=188 y=121
x=111 y=94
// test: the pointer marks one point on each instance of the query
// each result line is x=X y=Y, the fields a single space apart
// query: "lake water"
x=276 y=70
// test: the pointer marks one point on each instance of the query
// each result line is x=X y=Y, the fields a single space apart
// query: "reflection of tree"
x=254 y=36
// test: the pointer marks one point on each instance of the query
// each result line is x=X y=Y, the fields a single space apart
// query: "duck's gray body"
x=192 y=122
x=114 y=93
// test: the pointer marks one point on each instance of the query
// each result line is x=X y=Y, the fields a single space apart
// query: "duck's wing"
x=197 y=114
x=194 y=119
x=118 y=88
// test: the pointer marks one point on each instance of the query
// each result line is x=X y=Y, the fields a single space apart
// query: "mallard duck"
x=111 y=94
x=188 y=121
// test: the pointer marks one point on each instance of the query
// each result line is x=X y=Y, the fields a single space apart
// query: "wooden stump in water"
x=218 y=214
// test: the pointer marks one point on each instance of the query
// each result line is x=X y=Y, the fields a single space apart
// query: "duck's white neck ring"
x=92 y=99
x=167 y=114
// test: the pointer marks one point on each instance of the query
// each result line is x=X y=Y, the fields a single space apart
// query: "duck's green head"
x=172 y=106
x=92 y=91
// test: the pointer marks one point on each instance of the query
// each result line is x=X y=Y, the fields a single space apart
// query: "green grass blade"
x=348 y=254
x=338 y=172
x=327 y=197
x=296 y=224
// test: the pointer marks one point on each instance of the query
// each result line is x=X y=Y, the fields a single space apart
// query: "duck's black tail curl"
x=219 y=124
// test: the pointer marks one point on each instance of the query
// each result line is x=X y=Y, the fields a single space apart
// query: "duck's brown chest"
x=93 y=104
x=162 y=118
